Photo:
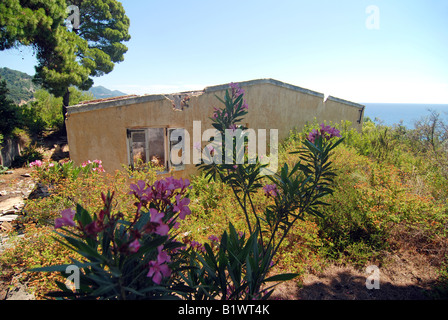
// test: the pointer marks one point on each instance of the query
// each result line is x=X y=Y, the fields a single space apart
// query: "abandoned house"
x=122 y=130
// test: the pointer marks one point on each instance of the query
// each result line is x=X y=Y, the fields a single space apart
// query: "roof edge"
x=350 y=103
x=124 y=101
x=133 y=99
x=266 y=81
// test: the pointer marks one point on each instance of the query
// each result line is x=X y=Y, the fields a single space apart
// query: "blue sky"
x=320 y=45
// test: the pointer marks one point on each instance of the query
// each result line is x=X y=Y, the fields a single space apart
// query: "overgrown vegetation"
x=20 y=85
x=29 y=122
x=41 y=114
x=390 y=192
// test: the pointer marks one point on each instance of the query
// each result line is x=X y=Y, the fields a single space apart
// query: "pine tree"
x=8 y=111
x=67 y=56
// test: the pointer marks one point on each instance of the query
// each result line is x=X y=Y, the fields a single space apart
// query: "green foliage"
x=30 y=154
x=20 y=85
x=31 y=120
x=296 y=191
x=390 y=186
x=233 y=268
x=3 y=169
x=208 y=195
x=111 y=269
x=45 y=112
x=126 y=257
x=8 y=111
x=50 y=173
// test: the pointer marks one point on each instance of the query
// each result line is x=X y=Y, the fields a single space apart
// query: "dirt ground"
x=406 y=276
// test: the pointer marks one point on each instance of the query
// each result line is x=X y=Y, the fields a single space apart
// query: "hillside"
x=21 y=88
x=20 y=85
x=101 y=92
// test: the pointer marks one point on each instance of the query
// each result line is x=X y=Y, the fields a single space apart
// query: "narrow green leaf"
x=282 y=277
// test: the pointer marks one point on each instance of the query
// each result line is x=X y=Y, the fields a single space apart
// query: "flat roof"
x=134 y=99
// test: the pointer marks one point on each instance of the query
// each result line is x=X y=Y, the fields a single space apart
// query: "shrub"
x=126 y=259
x=135 y=257
x=30 y=154
x=9 y=116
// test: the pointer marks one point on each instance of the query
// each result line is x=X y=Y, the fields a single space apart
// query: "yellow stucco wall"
x=97 y=130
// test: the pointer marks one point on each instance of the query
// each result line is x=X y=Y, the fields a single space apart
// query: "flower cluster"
x=97 y=165
x=100 y=221
x=36 y=163
x=52 y=172
x=327 y=132
x=159 y=267
x=242 y=105
x=66 y=219
x=195 y=245
x=162 y=193
x=167 y=197
x=165 y=201
x=270 y=190
x=213 y=238
x=236 y=90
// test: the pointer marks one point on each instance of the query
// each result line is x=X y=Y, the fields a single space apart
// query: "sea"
x=405 y=113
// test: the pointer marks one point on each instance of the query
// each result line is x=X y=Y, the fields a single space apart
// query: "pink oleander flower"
x=162 y=189
x=181 y=206
x=270 y=190
x=138 y=189
x=327 y=132
x=163 y=256
x=156 y=217
x=245 y=106
x=36 y=163
x=158 y=268
x=134 y=246
x=197 y=245
x=216 y=113
x=66 y=219
x=213 y=238
x=313 y=135
x=93 y=228
x=86 y=163
x=99 y=169
x=173 y=184
x=236 y=90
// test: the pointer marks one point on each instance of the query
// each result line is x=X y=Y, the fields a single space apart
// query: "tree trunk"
x=65 y=104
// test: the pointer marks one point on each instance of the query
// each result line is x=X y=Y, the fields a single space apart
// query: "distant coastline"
x=393 y=113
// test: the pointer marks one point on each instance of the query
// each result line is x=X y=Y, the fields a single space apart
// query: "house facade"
x=133 y=129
